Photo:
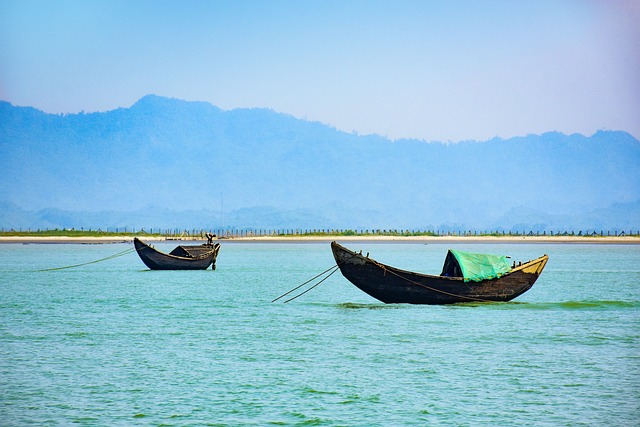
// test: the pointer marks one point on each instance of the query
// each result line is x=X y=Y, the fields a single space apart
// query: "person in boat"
x=210 y=237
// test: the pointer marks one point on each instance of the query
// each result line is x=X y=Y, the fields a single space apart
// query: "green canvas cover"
x=474 y=267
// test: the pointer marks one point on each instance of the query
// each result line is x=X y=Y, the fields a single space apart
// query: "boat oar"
x=313 y=278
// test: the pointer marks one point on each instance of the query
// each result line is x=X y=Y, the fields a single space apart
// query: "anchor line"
x=325 y=278
x=119 y=254
x=334 y=267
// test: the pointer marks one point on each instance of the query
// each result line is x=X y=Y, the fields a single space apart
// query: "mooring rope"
x=299 y=286
x=336 y=268
x=119 y=254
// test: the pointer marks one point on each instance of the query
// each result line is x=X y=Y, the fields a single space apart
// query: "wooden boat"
x=392 y=285
x=195 y=257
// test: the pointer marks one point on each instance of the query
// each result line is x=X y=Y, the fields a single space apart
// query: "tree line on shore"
x=239 y=233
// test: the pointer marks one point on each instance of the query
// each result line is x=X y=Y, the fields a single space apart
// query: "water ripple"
x=118 y=345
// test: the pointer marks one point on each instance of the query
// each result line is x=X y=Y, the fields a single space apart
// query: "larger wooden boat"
x=183 y=257
x=465 y=277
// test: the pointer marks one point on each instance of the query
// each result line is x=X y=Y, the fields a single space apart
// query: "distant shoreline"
x=624 y=240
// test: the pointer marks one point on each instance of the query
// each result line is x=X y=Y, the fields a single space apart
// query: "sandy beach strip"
x=72 y=240
x=629 y=240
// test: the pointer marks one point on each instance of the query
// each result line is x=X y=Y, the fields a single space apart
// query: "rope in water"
x=302 y=293
x=299 y=286
x=334 y=267
x=119 y=254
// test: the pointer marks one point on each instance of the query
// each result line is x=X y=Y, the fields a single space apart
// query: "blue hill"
x=166 y=161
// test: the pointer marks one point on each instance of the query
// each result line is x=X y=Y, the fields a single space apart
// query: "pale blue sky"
x=434 y=70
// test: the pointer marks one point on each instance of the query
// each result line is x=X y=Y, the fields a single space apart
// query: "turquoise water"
x=114 y=344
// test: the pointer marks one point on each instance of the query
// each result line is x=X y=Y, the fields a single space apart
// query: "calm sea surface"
x=115 y=344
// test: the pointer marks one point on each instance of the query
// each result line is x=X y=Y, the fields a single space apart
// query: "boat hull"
x=392 y=285
x=205 y=256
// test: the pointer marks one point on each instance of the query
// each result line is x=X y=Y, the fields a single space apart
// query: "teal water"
x=114 y=344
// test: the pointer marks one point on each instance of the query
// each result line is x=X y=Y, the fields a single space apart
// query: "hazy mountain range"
x=177 y=164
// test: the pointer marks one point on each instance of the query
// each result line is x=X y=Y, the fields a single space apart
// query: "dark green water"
x=114 y=344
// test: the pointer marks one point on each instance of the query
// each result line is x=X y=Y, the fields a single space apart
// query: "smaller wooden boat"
x=465 y=277
x=183 y=257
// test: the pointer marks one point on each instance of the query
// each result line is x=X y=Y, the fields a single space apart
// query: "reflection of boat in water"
x=465 y=277
x=183 y=257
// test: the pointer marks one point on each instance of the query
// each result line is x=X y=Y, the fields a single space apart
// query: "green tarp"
x=474 y=267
